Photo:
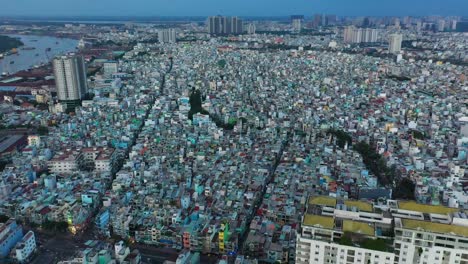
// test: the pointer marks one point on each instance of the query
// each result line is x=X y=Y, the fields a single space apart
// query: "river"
x=26 y=59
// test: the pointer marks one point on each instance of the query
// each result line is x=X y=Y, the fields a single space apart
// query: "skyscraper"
x=70 y=79
x=359 y=35
x=348 y=34
x=296 y=21
x=318 y=20
x=167 y=36
x=394 y=43
x=251 y=28
x=330 y=20
x=441 y=25
x=215 y=25
x=219 y=25
x=237 y=26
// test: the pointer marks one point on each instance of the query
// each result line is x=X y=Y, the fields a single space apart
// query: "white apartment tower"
x=297 y=24
x=394 y=43
x=251 y=29
x=70 y=79
x=352 y=34
x=167 y=36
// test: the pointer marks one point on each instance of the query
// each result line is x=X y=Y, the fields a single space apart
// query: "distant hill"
x=7 y=43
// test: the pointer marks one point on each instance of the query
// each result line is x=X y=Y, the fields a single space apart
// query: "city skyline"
x=240 y=8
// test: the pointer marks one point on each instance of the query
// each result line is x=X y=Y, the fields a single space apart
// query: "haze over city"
x=239 y=7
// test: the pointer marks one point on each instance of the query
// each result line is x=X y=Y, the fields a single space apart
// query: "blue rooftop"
x=7 y=88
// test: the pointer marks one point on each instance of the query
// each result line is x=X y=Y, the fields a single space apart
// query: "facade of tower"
x=167 y=36
x=394 y=43
x=219 y=25
x=70 y=79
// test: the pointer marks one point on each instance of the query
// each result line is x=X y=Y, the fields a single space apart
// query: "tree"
x=404 y=190
x=42 y=130
x=418 y=134
x=195 y=103
x=222 y=63
x=4 y=218
x=375 y=244
x=346 y=240
x=341 y=137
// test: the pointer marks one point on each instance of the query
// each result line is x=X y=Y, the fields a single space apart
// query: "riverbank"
x=8 y=43
x=37 y=51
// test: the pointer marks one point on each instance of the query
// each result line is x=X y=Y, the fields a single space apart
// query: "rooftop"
x=322 y=221
x=323 y=200
x=435 y=227
x=358 y=227
x=7 y=141
x=362 y=206
x=424 y=208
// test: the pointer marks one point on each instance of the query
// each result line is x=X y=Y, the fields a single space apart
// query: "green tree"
x=346 y=240
x=4 y=218
x=404 y=190
x=42 y=130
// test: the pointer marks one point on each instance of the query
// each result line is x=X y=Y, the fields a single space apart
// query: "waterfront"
x=28 y=58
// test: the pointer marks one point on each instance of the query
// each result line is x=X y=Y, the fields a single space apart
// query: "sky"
x=232 y=7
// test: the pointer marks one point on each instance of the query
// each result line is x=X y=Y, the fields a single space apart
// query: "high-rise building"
x=219 y=25
x=237 y=26
x=462 y=26
x=251 y=29
x=215 y=25
x=370 y=35
x=352 y=34
x=70 y=79
x=167 y=36
x=296 y=21
x=440 y=25
x=366 y=22
x=397 y=23
x=418 y=26
x=398 y=232
x=318 y=20
x=348 y=34
x=330 y=20
x=394 y=43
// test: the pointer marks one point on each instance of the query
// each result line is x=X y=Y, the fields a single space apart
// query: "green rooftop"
x=362 y=206
x=323 y=200
x=318 y=220
x=425 y=208
x=358 y=227
x=435 y=227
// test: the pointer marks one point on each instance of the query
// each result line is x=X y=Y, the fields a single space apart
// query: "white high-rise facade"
x=219 y=25
x=394 y=43
x=297 y=24
x=352 y=34
x=70 y=78
x=251 y=29
x=398 y=232
x=167 y=36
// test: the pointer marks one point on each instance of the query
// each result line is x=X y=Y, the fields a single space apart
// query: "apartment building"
x=10 y=234
x=331 y=227
x=25 y=247
x=66 y=162
x=345 y=231
x=99 y=158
